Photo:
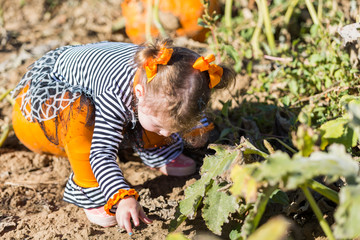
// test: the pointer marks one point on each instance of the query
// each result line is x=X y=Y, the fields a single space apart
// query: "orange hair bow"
x=163 y=58
x=215 y=71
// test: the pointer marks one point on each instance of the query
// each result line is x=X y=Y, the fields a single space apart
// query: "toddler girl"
x=86 y=101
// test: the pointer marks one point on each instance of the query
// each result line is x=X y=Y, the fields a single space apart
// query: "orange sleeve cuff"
x=117 y=197
x=199 y=131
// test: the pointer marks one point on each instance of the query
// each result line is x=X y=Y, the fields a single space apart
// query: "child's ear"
x=139 y=91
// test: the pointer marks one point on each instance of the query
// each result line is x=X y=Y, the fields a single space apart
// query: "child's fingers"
x=144 y=218
x=127 y=224
x=135 y=217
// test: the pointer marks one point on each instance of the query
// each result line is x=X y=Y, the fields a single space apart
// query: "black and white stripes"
x=105 y=71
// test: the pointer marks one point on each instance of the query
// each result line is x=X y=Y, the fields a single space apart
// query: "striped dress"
x=104 y=72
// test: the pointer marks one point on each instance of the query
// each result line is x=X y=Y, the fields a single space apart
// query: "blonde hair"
x=178 y=90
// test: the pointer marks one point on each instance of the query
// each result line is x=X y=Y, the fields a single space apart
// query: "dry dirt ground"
x=31 y=185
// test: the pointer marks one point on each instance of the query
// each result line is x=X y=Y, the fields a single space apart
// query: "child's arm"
x=128 y=208
x=110 y=117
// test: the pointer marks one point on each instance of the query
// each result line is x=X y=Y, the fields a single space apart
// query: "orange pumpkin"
x=185 y=12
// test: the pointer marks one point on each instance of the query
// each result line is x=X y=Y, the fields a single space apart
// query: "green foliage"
x=254 y=184
x=305 y=140
x=347 y=215
x=217 y=207
x=244 y=184
x=309 y=87
x=338 y=131
x=290 y=173
x=206 y=188
x=320 y=73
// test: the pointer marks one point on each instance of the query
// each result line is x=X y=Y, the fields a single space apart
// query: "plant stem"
x=207 y=19
x=284 y=144
x=255 y=37
x=324 y=225
x=228 y=8
x=157 y=22
x=323 y=190
x=316 y=96
x=262 y=206
x=5 y=134
x=290 y=11
x=213 y=34
x=2 y=96
x=264 y=10
x=320 y=8
x=148 y=20
x=312 y=12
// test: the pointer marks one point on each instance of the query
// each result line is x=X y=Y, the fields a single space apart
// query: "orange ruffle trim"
x=117 y=197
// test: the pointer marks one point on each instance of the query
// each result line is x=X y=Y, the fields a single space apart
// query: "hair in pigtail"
x=150 y=50
x=227 y=79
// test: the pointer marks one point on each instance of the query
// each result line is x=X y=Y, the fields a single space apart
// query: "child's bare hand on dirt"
x=128 y=208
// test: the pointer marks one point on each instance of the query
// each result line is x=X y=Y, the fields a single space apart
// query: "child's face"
x=152 y=123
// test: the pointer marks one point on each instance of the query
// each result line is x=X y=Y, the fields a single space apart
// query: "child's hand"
x=128 y=208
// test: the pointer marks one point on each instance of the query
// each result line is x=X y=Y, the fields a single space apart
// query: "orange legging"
x=69 y=135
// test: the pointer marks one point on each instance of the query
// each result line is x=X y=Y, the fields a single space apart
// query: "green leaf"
x=293 y=86
x=305 y=140
x=244 y=184
x=290 y=173
x=218 y=206
x=193 y=196
x=218 y=163
x=328 y=82
x=334 y=128
x=248 y=148
x=176 y=222
x=213 y=166
x=333 y=164
x=249 y=68
x=201 y=23
x=349 y=98
x=234 y=54
x=235 y=234
x=316 y=58
x=274 y=229
x=225 y=108
x=225 y=132
x=279 y=196
x=347 y=215
x=276 y=169
x=354 y=115
x=176 y=236
x=285 y=100
x=338 y=131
